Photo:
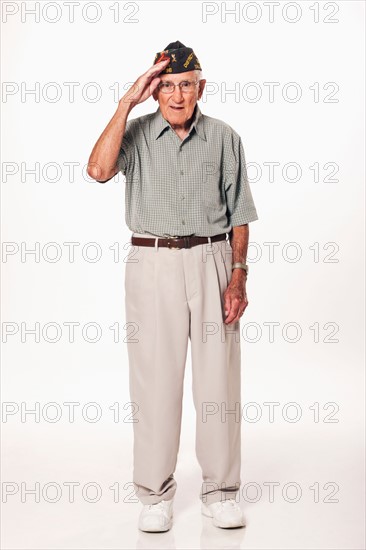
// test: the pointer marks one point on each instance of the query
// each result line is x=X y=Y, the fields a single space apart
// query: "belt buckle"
x=169 y=242
x=173 y=247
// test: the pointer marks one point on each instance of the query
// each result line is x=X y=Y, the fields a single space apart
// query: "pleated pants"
x=171 y=296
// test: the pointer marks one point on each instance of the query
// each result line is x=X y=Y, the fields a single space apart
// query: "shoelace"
x=158 y=504
x=229 y=501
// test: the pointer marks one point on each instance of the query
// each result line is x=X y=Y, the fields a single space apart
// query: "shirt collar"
x=160 y=123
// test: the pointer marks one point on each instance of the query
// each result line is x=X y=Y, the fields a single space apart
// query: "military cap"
x=182 y=58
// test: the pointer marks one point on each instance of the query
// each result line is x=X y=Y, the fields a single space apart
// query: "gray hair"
x=198 y=73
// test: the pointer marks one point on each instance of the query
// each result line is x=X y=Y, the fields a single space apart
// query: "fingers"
x=145 y=84
x=154 y=84
x=227 y=304
x=145 y=80
x=239 y=314
x=235 y=311
x=157 y=68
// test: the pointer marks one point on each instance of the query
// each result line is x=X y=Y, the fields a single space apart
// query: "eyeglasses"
x=186 y=86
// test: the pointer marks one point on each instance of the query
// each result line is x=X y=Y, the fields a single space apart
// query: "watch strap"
x=240 y=265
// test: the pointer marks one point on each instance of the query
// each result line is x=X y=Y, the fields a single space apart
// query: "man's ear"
x=155 y=95
x=202 y=85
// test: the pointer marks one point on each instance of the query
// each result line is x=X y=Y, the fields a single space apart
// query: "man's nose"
x=178 y=94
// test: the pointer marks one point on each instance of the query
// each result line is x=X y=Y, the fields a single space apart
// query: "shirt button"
x=183 y=222
x=182 y=197
x=181 y=172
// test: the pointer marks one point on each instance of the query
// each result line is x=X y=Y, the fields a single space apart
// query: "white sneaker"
x=224 y=513
x=156 y=517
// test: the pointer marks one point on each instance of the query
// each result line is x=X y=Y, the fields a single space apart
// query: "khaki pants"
x=170 y=296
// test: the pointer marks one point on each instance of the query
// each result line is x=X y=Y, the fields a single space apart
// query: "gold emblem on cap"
x=188 y=60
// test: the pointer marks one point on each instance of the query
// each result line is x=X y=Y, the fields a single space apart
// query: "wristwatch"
x=241 y=266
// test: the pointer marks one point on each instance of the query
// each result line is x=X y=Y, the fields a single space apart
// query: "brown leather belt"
x=176 y=243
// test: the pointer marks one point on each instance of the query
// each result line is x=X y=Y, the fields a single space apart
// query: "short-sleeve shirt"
x=195 y=186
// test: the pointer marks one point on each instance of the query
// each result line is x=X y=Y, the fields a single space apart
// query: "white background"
x=312 y=290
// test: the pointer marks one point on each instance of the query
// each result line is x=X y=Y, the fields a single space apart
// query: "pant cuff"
x=217 y=496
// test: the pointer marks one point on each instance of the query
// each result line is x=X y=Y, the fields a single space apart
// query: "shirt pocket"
x=211 y=185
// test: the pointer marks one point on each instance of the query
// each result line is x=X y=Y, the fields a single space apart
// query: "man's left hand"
x=235 y=298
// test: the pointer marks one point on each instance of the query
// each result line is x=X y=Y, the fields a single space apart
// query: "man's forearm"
x=102 y=163
x=239 y=238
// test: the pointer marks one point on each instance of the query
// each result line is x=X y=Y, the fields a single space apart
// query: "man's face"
x=177 y=107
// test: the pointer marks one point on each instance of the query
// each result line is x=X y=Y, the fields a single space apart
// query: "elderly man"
x=188 y=205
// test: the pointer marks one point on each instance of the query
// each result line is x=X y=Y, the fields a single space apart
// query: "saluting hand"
x=144 y=86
